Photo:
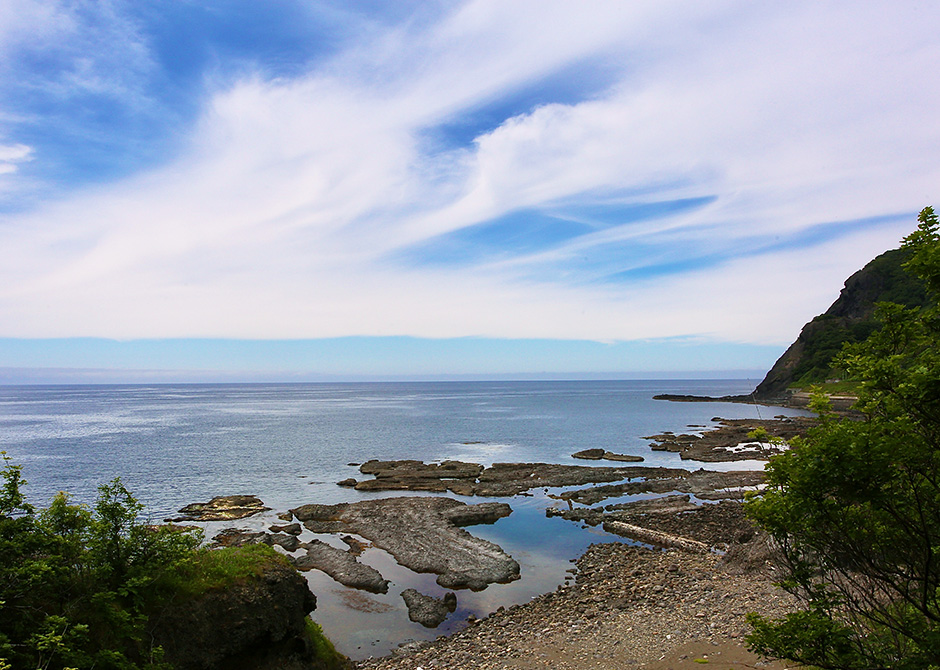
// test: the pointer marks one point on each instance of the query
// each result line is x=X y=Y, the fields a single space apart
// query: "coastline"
x=630 y=607
x=625 y=594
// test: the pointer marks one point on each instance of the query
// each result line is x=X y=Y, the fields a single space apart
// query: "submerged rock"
x=222 y=508
x=428 y=611
x=423 y=534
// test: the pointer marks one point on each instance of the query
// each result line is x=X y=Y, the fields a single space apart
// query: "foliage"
x=855 y=505
x=324 y=651
x=79 y=586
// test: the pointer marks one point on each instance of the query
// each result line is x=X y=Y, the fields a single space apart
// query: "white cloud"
x=279 y=219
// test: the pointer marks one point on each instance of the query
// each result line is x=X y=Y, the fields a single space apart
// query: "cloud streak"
x=679 y=199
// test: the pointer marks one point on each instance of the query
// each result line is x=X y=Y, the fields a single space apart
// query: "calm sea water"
x=289 y=444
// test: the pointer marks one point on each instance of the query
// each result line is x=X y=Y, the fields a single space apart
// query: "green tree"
x=855 y=505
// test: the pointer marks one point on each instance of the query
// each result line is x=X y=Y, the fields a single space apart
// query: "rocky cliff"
x=849 y=319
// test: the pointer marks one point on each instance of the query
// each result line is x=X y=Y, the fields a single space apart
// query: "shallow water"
x=289 y=444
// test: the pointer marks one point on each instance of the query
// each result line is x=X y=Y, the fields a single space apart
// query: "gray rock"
x=222 y=508
x=341 y=566
x=290 y=529
x=423 y=535
x=428 y=611
x=589 y=454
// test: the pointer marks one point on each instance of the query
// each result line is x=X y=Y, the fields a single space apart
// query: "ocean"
x=290 y=443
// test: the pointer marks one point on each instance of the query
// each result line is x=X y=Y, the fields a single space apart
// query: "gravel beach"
x=629 y=607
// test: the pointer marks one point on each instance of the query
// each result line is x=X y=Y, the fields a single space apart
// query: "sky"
x=301 y=190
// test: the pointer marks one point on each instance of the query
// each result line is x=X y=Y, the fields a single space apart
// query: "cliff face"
x=849 y=319
x=257 y=624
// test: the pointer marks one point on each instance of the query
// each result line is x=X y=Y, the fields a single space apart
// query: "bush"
x=855 y=505
x=80 y=586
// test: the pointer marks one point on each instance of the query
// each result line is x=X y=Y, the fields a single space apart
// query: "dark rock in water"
x=469 y=479
x=256 y=623
x=422 y=534
x=450 y=601
x=222 y=508
x=355 y=546
x=290 y=529
x=287 y=542
x=341 y=566
x=349 y=483
x=703 y=484
x=589 y=454
x=631 y=512
x=410 y=469
x=285 y=516
x=427 y=611
x=623 y=458
x=730 y=441
x=601 y=454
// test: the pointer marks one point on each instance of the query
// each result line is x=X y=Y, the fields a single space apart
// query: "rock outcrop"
x=428 y=611
x=222 y=508
x=259 y=624
x=424 y=535
x=730 y=441
x=601 y=454
x=471 y=479
x=341 y=566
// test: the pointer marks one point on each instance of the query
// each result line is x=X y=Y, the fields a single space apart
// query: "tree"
x=855 y=505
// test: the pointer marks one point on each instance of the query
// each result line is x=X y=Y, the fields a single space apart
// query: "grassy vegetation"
x=847 y=388
x=80 y=586
x=324 y=651
x=213 y=569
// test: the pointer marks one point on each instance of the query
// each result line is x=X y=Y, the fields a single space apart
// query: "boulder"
x=428 y=611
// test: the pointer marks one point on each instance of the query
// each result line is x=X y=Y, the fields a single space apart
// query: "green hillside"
x=849 y=319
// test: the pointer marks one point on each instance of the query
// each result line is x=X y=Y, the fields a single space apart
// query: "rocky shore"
x=630 y=607
x=695 y=567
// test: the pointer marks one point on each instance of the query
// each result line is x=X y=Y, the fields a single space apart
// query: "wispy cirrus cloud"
x=509 y=170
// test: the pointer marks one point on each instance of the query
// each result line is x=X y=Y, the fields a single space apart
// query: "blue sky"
x=367 y=189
